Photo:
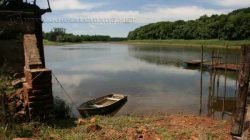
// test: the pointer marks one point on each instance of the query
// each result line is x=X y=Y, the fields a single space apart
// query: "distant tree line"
x=233 y=26
x=60 y=35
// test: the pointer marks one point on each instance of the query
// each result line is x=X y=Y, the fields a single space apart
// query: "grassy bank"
x=52 y=43
x=157 y=127
x=190 y=43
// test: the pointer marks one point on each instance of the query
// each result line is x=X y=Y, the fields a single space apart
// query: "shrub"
x=62 y=109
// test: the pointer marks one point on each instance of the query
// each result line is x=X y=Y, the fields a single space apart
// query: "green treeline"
x=60 y=35
x=233 y=26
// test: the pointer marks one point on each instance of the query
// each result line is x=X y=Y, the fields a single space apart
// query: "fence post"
x=201 y=80
x=243 y=83
x=225 y=83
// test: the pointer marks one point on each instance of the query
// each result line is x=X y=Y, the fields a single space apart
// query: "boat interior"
x=107 y=101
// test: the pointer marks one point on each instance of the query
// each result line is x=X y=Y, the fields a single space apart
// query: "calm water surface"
x=154 y=78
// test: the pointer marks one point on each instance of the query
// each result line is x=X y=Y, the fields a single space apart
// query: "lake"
x=153 y=77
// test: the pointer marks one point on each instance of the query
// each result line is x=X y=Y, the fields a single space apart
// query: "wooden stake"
x=218 y=77
x=216 y=74
x=244 y=75
x=210 y=86
x=201 y=80
x=218 y=85
x=225 y=84
x=213 y=91
x=214 y=78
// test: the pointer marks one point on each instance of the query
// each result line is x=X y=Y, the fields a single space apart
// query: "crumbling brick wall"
x=29 y=56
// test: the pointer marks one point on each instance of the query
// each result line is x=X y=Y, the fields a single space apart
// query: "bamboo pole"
x=236 y=81
x=214 y=79
x=236 y=87
x=217 y=74
x=201 y=80
x=244 y=75
x=218 y=85
x=210 y=86
x=214 y=72
x=225 y=84
x=218 y=78
x=213 y=89
x=215 y=61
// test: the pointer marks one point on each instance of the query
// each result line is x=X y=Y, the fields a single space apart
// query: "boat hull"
x=107 y=110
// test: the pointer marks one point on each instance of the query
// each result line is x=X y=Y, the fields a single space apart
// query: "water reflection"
x=152 y=77
x=177 y=55
x=216 y=106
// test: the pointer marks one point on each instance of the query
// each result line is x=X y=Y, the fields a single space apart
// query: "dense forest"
x=60 y=35
x=233 y=26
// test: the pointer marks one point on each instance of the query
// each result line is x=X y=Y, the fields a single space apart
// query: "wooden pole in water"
x=236 y=87
x=214 y=78
x=218 y=76
x=201 y=82
x=210 y=100
x=244 y=75
x=236 y=81
x=225 y=84
x=218 y=85
x=216 y=59
x=209 y=92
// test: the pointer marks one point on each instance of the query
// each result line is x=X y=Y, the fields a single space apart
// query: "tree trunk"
x=239 y=118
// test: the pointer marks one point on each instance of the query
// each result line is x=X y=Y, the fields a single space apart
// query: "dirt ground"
x=155 y=127
x=178 y=127
x=168 y=127
x=195 y=128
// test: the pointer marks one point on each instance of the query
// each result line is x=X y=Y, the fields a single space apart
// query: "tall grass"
x=39 y=127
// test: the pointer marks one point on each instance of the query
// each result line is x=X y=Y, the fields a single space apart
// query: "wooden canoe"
x=106 y=105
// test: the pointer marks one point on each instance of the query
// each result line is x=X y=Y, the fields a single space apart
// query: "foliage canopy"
x=60 y=35
x=233 y=26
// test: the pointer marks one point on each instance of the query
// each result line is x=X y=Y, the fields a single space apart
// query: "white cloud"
x=71 y=5
x=149 y=15
x=231 y=3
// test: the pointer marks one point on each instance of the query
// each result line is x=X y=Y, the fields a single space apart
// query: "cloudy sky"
x=117 y=17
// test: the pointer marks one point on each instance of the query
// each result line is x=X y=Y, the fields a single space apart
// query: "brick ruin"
x=25 y=18
x=38 y=86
